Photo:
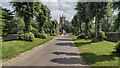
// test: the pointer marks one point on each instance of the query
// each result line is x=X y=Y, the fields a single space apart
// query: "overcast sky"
x=57 y=7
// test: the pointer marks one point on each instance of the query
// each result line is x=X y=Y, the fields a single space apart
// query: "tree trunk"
x=86 y=28
x=97 y=27
x=27 y=25
x=81 y=28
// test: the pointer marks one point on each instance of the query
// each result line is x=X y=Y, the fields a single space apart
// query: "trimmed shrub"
x=117 y=48
x=26 y=36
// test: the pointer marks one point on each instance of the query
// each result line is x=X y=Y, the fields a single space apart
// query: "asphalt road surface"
x=60 y=51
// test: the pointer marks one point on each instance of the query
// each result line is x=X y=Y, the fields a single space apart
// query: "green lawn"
x=97 y=53
x=12 y=48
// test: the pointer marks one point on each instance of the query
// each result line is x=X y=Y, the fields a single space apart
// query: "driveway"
x=60 y=51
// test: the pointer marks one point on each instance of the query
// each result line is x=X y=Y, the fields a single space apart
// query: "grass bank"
x=97 y=53
x=12 y=48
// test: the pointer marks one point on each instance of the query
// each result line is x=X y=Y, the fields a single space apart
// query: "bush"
x=100 y=38
x=94 y=40
x=101 y=35
x=39 y=35
x=34 y=31
x=86 y=37
x=92 y=34
x=26 y=36
x=53 y=34
x=117 y=48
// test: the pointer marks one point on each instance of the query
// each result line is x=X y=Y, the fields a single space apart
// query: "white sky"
x=57 y=7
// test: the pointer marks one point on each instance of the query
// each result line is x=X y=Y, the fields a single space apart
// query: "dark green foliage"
x=17 y=25
x=84 y=16
x=34 y=31
x=67 y=26
x=101 y=36
x=26 y=11
x=86 y=12
x=22 y=21
x=117 y=21
x=26 y=36
x=98 y=9
x=40 y=35
x=43 y=18
x=34 y=24
x=117 y=48
x=7 y=24
x=53 y=27
x=107 y=21
x=11 y=24
x=76 y=24
x=37 y=34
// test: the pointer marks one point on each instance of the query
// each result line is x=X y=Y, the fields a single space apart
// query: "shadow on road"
x=65 y=44
x=67 y=60
x=65 y=53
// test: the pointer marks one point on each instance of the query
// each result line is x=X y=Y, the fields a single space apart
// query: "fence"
x=113 y=36
x=10 y=37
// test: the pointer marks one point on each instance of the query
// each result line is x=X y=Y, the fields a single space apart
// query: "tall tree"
x=67 y=26
x=7 y=17
x=98 y=10
x=75 y=23
x=43 y=18
x=26 y=11
x=48 y=21
x=53 y=26
x=80 y=7
x=107 y=21
x=84 y=15
x=117 y=21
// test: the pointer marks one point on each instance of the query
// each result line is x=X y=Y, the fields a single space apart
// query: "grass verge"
x=11 y=49
x=97 y=53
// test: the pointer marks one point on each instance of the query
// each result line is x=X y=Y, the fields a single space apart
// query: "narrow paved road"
x=57 y=52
